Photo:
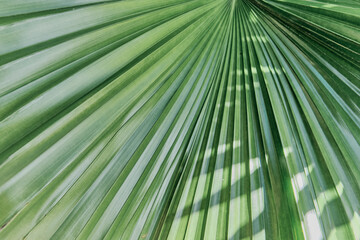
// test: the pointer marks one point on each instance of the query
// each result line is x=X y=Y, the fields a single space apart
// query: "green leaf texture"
x=180 y=119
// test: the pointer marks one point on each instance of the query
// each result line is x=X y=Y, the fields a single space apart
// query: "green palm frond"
x=178 y=119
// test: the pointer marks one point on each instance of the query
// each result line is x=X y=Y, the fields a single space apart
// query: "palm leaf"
x=222 y=119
